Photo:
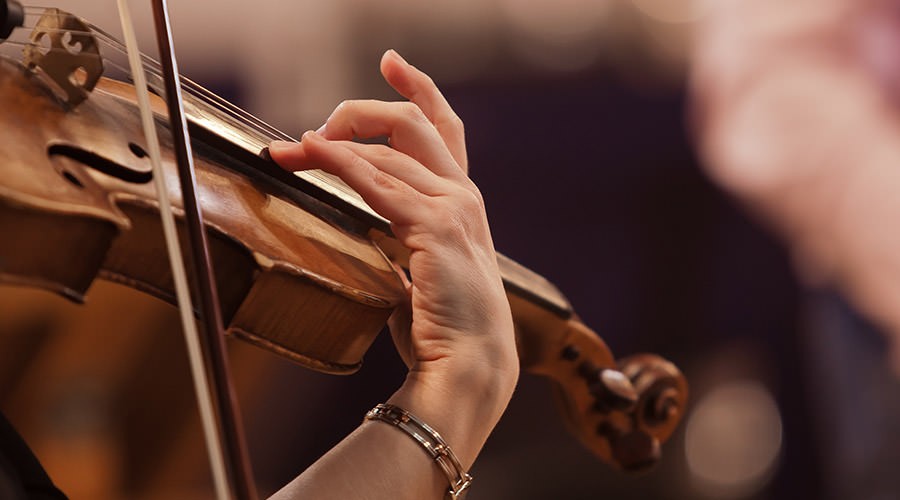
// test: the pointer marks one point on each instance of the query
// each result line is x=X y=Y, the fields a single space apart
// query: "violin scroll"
x=661 y=392
x=622 y=411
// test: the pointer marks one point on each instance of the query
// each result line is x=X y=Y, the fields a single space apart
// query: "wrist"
x=461 y=399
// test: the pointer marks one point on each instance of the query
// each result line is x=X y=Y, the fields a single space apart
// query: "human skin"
x=456 y=332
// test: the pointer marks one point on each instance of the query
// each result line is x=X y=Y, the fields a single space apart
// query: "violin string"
x=195 y=89
x=111 y=62
x=199 y=92
x=266 y=131
x=322 y=177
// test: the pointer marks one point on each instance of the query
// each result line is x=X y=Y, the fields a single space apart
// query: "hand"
x=461 y=338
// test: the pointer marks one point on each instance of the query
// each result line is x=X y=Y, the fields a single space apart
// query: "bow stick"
x=225 y=443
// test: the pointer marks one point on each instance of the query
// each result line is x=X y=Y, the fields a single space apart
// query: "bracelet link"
x=431 y=441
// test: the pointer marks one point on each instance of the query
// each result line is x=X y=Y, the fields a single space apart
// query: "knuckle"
x=349 y=107
x=457 y=123
x=342 y=107
x=338 y=115
x=383 y=180
x=472 y=194
x=386 y=183
x=471 y=200
x=463 y=215
x=380 y=152
x=427 y=81
x=413 y=113
x=457 y=228
x=357 y=162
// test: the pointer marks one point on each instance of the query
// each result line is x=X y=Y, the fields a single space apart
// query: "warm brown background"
x=576 y=117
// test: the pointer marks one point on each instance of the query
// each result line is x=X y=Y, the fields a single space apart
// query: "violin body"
x=76 y=203
x=302 y=273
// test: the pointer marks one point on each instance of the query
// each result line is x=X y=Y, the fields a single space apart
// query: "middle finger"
x=406 y=126
x=401 y=166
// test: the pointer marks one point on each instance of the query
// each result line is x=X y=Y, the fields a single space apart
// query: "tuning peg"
x=589 y=372
x=636 y=451
x=613 y=391
x=570 y=353
x=611 y=388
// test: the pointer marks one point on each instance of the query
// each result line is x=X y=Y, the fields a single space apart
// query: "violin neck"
x=220 y=128
x=533 y=287
x=523 y=285
x=239 y=133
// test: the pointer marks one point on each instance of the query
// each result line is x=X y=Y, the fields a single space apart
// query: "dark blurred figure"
x=797 y=114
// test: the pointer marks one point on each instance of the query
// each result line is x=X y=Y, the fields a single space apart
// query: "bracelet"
x=430 y=440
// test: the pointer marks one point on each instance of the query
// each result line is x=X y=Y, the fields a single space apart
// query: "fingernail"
x=309 y=135
x=398 y=56
x=280 y=146
x=321 y=130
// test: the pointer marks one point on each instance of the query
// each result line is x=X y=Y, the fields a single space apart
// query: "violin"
x=302 y=266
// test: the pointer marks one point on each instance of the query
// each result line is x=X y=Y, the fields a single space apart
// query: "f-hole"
x=102 y=164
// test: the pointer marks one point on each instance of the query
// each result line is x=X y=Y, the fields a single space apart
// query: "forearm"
x=379 y=461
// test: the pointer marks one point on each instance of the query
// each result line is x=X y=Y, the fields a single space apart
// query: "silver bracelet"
x=430 y=440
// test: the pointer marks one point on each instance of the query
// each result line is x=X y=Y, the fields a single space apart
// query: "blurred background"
x=578 y=121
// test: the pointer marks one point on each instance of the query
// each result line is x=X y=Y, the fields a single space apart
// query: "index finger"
x=420 y=89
